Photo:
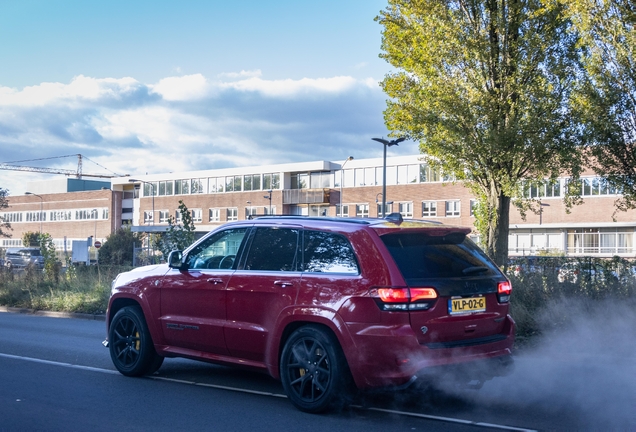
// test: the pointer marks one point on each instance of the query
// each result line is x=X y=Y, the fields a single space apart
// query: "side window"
x=218 y=251
x=326 y=252
x=274 y=249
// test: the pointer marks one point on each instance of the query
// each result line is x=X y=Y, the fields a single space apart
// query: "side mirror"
x=175 y=260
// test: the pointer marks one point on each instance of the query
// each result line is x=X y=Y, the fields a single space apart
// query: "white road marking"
x=260 y=393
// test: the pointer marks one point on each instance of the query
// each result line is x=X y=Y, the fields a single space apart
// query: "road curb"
x=26 y=311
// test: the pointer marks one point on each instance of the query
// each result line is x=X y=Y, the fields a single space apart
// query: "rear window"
x=421 y=256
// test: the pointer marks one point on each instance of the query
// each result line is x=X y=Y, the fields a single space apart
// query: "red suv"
x=322 y=304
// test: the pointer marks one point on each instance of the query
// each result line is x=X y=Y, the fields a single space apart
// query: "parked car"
x=323 y=304
x=20 y=258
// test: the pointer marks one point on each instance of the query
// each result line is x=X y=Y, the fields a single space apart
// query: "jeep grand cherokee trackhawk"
x=319 y=303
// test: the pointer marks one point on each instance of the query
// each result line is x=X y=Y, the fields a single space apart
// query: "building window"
x=298 y=180
x=318 y=210
x=342 y=211
x=216 y=184
x=473 y=203
x=250 y=211
x=362 y=210
x=388 y=209
x=232 y=214
x=452 y=208
x=148 y=216
x=197 y=186
x=163 y=216
x=65 y=215
x=215 y=215
x=247 y=183
x=151 y=188
x=35 y=216
x=349 y=178
x=269 y=210
x=406 y=209
x=271 y=181
x=197 y=215
x=429 y=208
x=182 y=187
x=550 y=188
x=429 y=174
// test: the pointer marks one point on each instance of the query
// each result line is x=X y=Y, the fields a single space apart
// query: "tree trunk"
x=498 y=226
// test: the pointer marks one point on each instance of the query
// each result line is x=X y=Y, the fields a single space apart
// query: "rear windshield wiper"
x=478 y=269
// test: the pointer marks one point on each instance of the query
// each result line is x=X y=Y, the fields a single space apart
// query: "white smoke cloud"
x=581 y=372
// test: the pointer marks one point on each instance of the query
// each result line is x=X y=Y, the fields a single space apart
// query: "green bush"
x=537 y=288
x=85 y=289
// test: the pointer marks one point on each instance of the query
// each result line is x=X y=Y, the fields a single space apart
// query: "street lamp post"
x=41 y=199
x=342 y=181
x=386 y=144
x=269 y=197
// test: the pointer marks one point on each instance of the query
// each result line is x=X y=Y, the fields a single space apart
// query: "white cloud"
x=241 y=74
x=188 y=87
x=293 y=88
x=189 y=122
x=80 y=89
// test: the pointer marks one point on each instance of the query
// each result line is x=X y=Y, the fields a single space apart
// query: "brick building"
x=351 y=188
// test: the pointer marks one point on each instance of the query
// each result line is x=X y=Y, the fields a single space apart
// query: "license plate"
x=466 y=305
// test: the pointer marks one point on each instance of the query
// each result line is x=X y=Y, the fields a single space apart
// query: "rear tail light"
x=504 y=289
x=405 y=299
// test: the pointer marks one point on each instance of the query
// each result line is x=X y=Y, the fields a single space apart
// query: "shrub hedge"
x=539 y=283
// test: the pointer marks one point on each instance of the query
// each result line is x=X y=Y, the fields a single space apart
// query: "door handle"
x=283 y=284
x=215 y=281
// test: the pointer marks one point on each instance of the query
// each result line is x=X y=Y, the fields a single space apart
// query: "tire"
x=130 y=345
x=314 y=371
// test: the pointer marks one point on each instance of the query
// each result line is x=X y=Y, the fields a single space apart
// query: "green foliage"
x=4 y=203
x=31 y=239
x=71 y=271
x=118 y=247
x=87 y=292
x=484 y=87
x=606 y=96
x=51 y=264
x=538 y=288
x=178 y=236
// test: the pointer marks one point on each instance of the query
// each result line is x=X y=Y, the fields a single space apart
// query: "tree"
x=484 y=86
x=47 y=249
x=118 y=247
x=4 y=203
x=178 y=236
x=31 y=239
x=606 y=97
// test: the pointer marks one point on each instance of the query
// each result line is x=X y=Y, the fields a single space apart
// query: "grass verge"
x=85 y=290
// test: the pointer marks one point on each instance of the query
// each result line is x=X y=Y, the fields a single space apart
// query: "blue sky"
x=158 y=86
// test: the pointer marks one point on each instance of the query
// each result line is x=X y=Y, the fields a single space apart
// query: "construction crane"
x=77 y=173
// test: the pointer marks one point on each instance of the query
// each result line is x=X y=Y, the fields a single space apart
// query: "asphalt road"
x=56 y=375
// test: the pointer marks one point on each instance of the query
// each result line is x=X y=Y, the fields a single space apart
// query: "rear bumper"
x=393 y=360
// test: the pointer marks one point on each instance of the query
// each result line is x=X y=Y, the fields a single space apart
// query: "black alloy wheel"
x=130 y=344
x=313 y=370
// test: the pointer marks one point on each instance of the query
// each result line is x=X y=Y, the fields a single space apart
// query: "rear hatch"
x=469 y=308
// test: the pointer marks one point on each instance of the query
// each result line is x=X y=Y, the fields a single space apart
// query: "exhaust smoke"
x=581 y=370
